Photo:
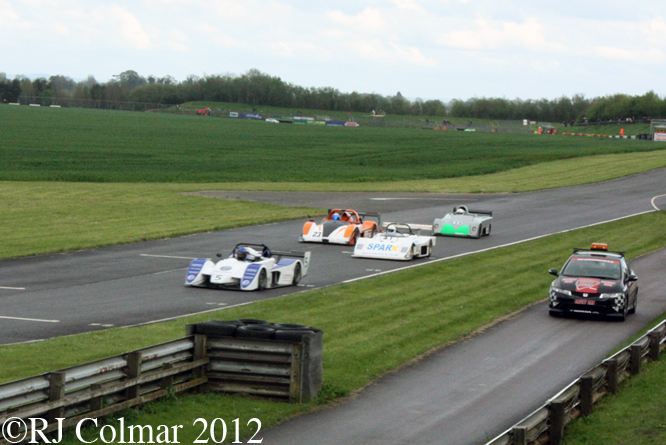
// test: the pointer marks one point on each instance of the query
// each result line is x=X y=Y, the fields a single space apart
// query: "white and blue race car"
x=249 y=267
x=397 y=242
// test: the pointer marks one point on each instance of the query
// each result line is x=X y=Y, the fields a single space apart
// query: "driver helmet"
x=241 y=254
x=460 y=211
x=335 y=217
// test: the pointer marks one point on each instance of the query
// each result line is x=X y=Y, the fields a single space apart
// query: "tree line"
x=255 y=88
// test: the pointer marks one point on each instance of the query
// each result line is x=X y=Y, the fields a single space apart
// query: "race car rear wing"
x=295 y=254
x=418 y=227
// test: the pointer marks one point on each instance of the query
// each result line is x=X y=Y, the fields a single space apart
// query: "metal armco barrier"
x=291 y=369
x=546 y=425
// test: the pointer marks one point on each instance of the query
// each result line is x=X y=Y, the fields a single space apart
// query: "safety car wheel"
x=623 y=315
x=297 y=274
x=263 y=280
x=633 y=308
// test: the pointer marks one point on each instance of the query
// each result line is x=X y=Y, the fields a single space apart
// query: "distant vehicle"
x=341 y=226
x=464 y=222
x=398 y=242
x=249 y=267
x=594 y=280
x=272 y=120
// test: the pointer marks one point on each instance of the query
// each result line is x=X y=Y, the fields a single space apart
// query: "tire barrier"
x=258 y=357
x=239 y=356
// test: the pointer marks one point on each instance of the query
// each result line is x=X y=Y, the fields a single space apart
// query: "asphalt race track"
x=467 y=393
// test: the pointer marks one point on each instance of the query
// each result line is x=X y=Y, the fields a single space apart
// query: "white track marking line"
x=12 y=288
x=493 y=248
x=653 y=204
x=29 y=319
x=167 y=256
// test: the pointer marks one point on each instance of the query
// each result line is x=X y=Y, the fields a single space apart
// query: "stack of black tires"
x=251 y=328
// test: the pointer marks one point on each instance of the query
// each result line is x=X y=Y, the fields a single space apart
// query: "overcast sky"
x=430 y=49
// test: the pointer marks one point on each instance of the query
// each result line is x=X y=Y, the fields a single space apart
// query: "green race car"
x=464 y=222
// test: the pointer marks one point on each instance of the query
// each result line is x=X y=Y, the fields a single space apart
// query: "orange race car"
x=341 y=226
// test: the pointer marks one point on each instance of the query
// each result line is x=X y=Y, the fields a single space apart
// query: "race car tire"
x=262 y=282
x=411 y=252
x=298 y=274
x=488 y=230
x=295 y=335
x=429 y=250
x=287 y=326
x=217 y=327
x=242 y=321
x=255 y=331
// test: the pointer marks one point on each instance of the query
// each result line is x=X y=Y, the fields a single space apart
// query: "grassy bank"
x=80 y=145
x=371 y=326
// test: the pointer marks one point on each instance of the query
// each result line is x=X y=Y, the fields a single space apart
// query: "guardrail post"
x=133 y=371
x=96 y=402
x=611 y=375
x=556 y=422
x=56 y=392
x=168 y=380
x=519 y=435
x=200 y=352
x=586 y=394
x=655 y=345
x=635 y=353
x=295 y=373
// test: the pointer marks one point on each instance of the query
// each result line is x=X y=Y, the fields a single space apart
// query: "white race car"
x=464 y=222
x=398 y=242
x=249 y=267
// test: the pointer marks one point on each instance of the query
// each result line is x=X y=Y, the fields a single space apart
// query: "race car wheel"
x=411 y=252
x=429 y=250
x=297 y=274
x=263 y=280
x=488 y=230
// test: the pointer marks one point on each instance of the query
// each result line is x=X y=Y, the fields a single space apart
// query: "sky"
x=427 y=49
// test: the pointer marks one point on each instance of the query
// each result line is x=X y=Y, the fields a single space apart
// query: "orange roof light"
x=599 y=246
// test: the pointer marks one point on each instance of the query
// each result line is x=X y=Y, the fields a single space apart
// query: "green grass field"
x=73 y=179
x=82 y=145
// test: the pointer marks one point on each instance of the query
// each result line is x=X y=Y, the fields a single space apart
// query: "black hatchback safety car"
x=596 y=281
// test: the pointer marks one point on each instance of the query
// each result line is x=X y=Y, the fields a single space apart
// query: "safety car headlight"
x=611 y=296
x=554 y=291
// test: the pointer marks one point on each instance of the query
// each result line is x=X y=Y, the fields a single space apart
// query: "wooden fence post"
x=519 y=435
x=56 y=392
x=586 y=394
x=96 y=402
x=611 y=375
x=556 y=422
x=133 y=371
x=655 y=345
x=635 y=351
